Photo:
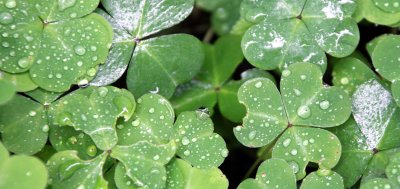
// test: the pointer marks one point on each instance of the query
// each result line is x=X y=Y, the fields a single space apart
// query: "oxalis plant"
x=177 y=94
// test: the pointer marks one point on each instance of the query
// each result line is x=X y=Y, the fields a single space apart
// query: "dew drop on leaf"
x=45 y=128
x=64 y=4
x=293 y=152
x=6 y=18
x=72 y=140
x=297 y=92
x=23 y=62
x=11 y=4
x=32 y=113
x=185 y=141
x=324 y=104
x=344 y=81
x=91 y=150
x=252 y=135
x=156 y=157
x=103 y=91
x=151 y=110
x=294 y=166
x=5 y=44
x=135 y=123
x=303 y=77
x=304 y=112
x=80 y=50
x=224 y=153
x=186 y=152
x=286 y=73
x=91 y=72
x=67 y=169
x=286 y=142
x=258 y=84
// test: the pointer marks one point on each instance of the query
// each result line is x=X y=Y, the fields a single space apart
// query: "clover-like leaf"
x=7 y=91
x=21 y=171
x=373 y=129
x=145 y=162
x=298 y=31
x=44 y=97
x=225 y=16
x=380 y=12
x=377 y=183
x=22 y=81
x=320 y=179
x=183 y=175
x=56 y=10
x=272 y=173
x=95 y=112
x=270 y=114
x=155 y=68
x=23 y=125
x=67 y=170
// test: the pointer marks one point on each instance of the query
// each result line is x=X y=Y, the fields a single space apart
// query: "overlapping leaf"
x=298 y=31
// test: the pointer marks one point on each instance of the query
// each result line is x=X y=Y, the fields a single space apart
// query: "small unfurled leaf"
x=67 y=170
x=95 y=112
x=23 y=125
x=272 y=173
x=182 y=175
x=21 y=171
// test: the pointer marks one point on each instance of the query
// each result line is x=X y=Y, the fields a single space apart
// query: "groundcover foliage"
x=249 y=94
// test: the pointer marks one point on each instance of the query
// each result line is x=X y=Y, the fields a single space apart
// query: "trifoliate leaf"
x=67 y=170
x=23 y=125
x=182 y=175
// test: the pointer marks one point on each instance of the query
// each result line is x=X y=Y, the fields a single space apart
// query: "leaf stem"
x=209 y=35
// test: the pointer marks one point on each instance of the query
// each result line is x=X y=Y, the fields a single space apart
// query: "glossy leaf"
x=44 y=97
x=377 y=183
x=182 y=175
x=330 y=180
x=23 y=125
x=374 y=14
x=225 y=17
x=52 y=10
x=7 y=91
x=22 y=81
x=157 y=68
x=67 y=170
x=95 y=112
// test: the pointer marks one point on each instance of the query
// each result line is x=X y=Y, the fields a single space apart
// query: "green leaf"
x=44 y=97
x=56 y=10
x=20 y=171
x=272 y=173
x=197 y=144
x=152 y=121
x=374 y=14
x=77 y=52
x=225 y=17
x=67 y=170
x=377 y=183
x=210 y=5
x=221 y=60
x=22 y=81
x=300 y=145
x=145 y=162
x=143 y=18
x=182 y=175
x=7 y=91
x=393 y=169
x=330 y=180
x=157 y=67
x=298 y=31
x=23 y=125
x=349 y=73
x=95 y=112
x=65 y=138
x=391 y=6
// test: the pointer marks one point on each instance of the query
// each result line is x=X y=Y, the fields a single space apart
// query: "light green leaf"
x=23 y=125
x=393 y=169
x=95 y=112
x=376 y=15
x=385 y=57
x=225 y=17
x=181 y=174
x=272 y=173
x=145 y=162
x=65 y=138
x=7 y=91
x=156 y=66
x=67 y=170
x=330 y=180
x=56 y=10
x=77 y=53
x=22 y=81
x=301 y=145
x=377 y=183
x=20 y=171
x=197 y=144
x=143 y=18
x=308 y=102
x=391 y=6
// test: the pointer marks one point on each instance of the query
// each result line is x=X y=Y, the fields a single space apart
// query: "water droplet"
x=135 y=123
x=11 y=4
x=64 y=118
x=80 y=50
x=221 y=13
x=304 y=112
x=64 y=4
x=91 y=150
x=73 y=15
x=5 y=44
x=91 y=72
x=103 y=91
x=303 y=77
x=311 y=140
x=156 y=157
x=93 y=48
x=120 y=126
x=344 y=81
x=238 y=128
x=6 y=18
x=297 y=92
x=128 y=183
x=324 y=172
x=286 y=142
x=258 y=84
x=185 y=141
x=94 y=59
x=151 y=110
x=45 y=128
x=50 y=76
x=186 y=152
x=324 y=104
x=286 y=73
x=32 y=113
x=83 y=83
x=224 y=153
x=252 y=135
x=58 y=76
x=293 y=152
x=79 y=63
x=294 y=166
x=24 y=63
x=67 y=31
x=66 y=170
x=72 y=140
